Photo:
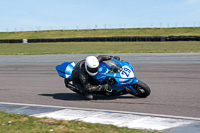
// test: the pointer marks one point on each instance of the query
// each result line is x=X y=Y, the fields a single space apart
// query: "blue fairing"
x=65 y=69
x=102 y=71
x=123 y=76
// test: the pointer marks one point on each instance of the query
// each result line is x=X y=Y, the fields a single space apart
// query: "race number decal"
x=126 y=72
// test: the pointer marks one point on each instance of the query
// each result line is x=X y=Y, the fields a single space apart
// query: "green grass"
x=102 y=33
x=14 y=123
x=99 y=47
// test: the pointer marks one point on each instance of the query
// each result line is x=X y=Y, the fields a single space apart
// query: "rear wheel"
x=142 y=90
x=70 y=86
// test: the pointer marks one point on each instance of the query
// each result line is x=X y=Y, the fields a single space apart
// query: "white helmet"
x=91 y=65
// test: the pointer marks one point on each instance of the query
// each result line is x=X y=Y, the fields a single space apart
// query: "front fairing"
x=123 y=76
x=123 y=72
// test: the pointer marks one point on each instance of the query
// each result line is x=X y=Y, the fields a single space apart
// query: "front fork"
x=135 y=80
x=117 y=90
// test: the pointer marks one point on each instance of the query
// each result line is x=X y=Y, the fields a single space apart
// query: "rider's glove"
x=107 y=88
x=99 y=88
x=116 y=57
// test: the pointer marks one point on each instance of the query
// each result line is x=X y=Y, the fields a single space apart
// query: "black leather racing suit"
x=80 y=77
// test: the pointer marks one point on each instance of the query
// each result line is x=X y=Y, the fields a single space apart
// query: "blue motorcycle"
x=119 y=74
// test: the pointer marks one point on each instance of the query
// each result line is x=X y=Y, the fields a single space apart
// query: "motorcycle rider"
x=84 y=71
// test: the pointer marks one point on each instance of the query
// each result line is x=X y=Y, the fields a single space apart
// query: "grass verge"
x=99 y=47
x=186 y=31
x=14 y=123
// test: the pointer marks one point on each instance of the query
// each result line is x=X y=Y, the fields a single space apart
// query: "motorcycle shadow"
x=64 y=96
x=79 y=97
x=102 y=97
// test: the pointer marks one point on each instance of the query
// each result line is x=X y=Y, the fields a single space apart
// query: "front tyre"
x=142 y=90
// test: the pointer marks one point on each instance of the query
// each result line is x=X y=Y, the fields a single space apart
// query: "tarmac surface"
x=173 y=78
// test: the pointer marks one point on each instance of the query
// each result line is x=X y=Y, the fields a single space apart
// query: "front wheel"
x=142 y=90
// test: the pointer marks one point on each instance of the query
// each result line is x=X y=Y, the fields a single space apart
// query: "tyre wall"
x=108 y=39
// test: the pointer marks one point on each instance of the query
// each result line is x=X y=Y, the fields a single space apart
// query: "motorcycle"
x=119 y=75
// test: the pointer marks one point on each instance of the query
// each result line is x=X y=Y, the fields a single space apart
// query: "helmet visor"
x=92 y=70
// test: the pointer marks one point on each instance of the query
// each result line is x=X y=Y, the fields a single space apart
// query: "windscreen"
x=114 y=65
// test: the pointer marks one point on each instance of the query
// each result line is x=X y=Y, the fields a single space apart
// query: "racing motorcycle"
x=119 y=75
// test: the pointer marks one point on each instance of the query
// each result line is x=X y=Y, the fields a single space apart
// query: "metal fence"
x=100 y=26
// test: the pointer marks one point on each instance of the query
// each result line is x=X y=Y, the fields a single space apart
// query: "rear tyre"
x=142 y=90
x=70 y=86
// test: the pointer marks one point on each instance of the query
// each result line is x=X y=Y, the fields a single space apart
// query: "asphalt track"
x=173 y=78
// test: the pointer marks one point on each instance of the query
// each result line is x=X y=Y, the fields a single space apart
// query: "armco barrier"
x=107 y=39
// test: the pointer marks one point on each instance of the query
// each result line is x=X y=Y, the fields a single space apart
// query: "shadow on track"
x=64 y=96
x=77 y=97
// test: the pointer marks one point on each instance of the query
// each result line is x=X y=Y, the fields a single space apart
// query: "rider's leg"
x=83 y=91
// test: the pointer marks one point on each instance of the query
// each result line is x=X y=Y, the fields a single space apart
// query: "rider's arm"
x=107 y=57
x=85 y=83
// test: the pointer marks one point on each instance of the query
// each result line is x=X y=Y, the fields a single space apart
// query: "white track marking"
x=119 y=118
x=105 y=110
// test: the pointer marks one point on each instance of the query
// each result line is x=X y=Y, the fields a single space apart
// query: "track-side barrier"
x=107 y=39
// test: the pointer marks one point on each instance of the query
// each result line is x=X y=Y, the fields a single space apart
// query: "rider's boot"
x=87 y=95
